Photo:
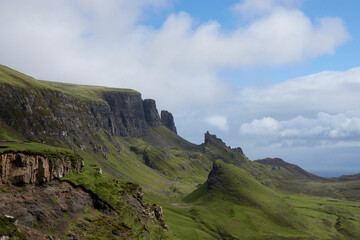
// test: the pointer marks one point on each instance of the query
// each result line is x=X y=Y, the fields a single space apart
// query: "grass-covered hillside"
x=207 y=191
x=13 y=78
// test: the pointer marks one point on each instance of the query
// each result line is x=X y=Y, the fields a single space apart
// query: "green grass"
x=7 y=134
x=182 y=224
x=241 y=207
x=237 y=205
x=7 y=228
x=82 y=92
x=328 y=218
x=35 y=148
x=174 y=172
x=111 y=190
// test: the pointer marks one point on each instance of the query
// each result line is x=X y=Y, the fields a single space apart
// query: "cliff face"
x=22 y=168
x=50 y=115
x=168 y=120
x=151 y=113
x=124 y=114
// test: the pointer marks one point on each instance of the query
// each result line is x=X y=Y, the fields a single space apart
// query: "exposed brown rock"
x=21 y=168
x=38 y=208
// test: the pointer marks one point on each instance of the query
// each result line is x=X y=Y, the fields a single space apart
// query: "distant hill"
x=231 y=194
x=297 y=171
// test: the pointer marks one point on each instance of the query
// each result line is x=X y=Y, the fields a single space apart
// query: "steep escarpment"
x=71 y=114
x=151 y=113
x=21 y=168
x=168 y=120
x=53 y=116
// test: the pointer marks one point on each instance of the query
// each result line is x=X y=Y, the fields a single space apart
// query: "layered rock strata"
x=51 y=116
x=22 y=168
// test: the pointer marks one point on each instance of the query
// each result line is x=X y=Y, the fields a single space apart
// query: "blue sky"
x=344 y=58
x=280 y=78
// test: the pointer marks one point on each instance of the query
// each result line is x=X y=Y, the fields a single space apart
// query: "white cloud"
x=220 y=122
x=262 y=127
x=304 y=131
x=257 y=8
x=104 y=43
x=332 y=92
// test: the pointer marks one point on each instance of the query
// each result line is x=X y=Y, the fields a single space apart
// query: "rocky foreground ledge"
x=34 y=199
x=19 y=168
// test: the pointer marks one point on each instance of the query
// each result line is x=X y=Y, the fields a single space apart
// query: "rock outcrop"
x=168 y=120
x=214 y=176
x=147 y=212
x=39 y=208
x=18 y=168
x=213 y=140
x=151 y=113
x=122 y=114
x=51 y=116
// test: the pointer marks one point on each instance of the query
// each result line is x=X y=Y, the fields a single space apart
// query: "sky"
x=279 y=78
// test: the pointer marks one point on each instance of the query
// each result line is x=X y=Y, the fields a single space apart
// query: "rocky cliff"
x=151 y=113
x=168 y=120
x=54 y=112
x=19 y=168
x=212 y=139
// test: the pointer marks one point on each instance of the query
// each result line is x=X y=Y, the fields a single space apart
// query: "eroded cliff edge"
x=51 y=115
x=19 y=168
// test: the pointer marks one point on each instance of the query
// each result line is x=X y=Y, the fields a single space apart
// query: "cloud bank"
x=220 y=122
x=330 y=91
x=324 y=127
x=178 y=63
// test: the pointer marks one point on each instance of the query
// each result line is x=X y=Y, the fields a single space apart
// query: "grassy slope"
x=286 y=180
x=7 y=228
x=83 y=92
x=328 y=218
x=111 y=190
x=240 y=207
